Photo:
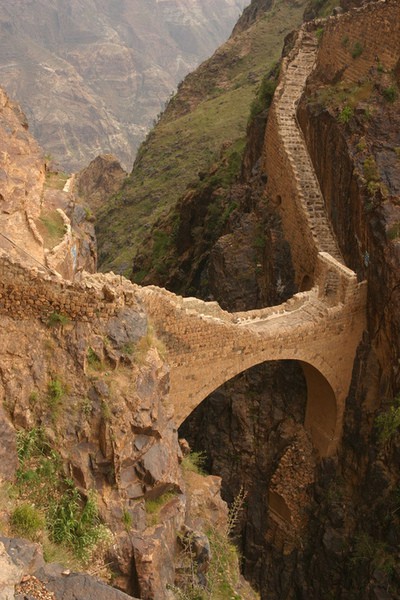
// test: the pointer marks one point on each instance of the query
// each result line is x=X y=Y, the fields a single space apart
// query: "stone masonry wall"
x=292 y=183
x=375 y=33
x=207 y=347
x=33 y=293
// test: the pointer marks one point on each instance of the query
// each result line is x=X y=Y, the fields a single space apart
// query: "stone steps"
x=309 y=192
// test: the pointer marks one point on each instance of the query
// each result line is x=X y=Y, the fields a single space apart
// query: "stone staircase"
x=289 y=92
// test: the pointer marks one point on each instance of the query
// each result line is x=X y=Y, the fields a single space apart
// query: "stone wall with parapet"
x=282 y=191
x=370 y=33
x=292 y=184
x=37 y=293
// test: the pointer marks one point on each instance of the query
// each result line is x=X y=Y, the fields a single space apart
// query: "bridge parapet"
x=336 y=282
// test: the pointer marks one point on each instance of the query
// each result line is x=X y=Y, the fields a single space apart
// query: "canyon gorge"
x=240 y=342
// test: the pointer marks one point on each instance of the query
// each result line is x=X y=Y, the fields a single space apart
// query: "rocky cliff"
x=92 y=76
x=95 y=386
x=92 y=471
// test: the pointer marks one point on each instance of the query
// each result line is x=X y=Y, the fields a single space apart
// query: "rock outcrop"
x=100 y=180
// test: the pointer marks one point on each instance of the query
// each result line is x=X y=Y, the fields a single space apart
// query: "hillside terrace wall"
x=376 y=28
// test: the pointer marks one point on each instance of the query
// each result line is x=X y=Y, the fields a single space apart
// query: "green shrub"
x=265 y=94
x=154 y=506
x=388 y=423
x=380 y=68
x=362 y=145
x=194 y=462
x=86 y=406
x=55 y=393
x=127 y=519
x=319 y=34
x=390 y=93
x=223 y=572
x=128 y=348
x=105 y=410
x=345 y=115
x=27 y=521
x=67 y=519
x=76 y=524
x=148 y=341
x=31 y=443
x=357 y=50
x=93 y=360
x=370 y=169
x=57 y=319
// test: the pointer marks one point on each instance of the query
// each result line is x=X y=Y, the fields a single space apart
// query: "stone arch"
x=321 y=415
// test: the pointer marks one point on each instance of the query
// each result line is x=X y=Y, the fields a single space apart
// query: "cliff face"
x=92 y=76
x=357 y=165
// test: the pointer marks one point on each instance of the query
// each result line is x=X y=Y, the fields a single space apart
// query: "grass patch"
x=68 y=523
x=51 y=227
x=388 y=423
x=319 y=34
x=194 y=462
x=27 y=521
x=357 y=50
x=76 y=524
x=56 y=180
x=148 y=341
x=128 y=348
x=344 y=95
x=55 y=393
x=57 y=318
x=93 y=360
x=345 y=115
x=393 y=233
x=390 y=93
x=154 y=506
x=127 y=519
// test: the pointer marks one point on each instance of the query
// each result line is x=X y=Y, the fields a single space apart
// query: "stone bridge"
x=321 y=326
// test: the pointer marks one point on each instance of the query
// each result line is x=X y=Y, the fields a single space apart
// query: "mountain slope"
x=91 y=75
x=207 y=117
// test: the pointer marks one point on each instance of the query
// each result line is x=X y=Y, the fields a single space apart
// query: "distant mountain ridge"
x=92 y=75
